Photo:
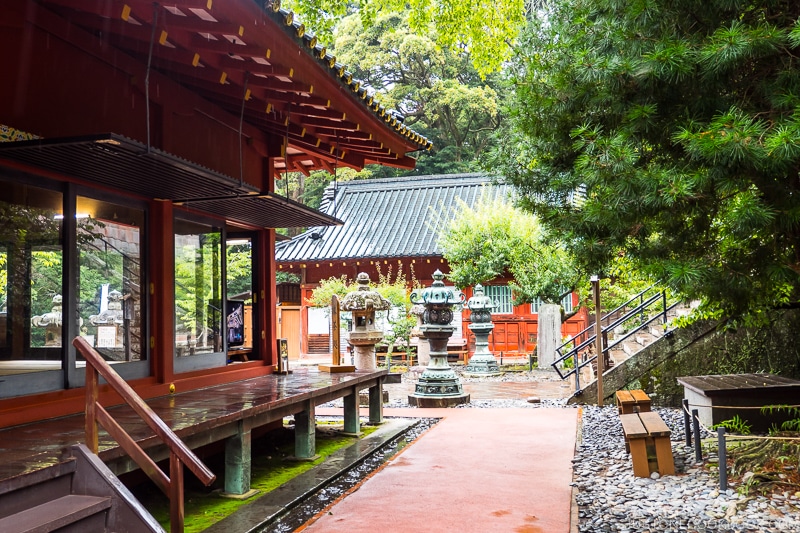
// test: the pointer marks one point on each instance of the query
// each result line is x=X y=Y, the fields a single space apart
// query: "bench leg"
x=666 y=464
x=352 y=423
x=305 y=438
x=238 y=460
x=376 y=403
x=639 y=457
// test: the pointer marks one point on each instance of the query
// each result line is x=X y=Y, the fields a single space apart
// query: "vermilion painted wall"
x=513 y=334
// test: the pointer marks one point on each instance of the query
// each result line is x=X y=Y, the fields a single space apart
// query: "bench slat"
x=624 y=396
x=632 y=426
x=640 y=396
x=654 y=425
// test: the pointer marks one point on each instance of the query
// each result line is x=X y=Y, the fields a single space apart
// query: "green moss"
x=770 y=347
x=205 y=506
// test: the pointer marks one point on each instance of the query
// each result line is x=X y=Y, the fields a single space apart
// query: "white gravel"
x=611 y=499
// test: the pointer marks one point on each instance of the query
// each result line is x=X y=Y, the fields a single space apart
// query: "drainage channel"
x=295 y=502
x=347 y=479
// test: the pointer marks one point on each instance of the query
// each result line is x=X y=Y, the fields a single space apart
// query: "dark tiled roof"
x=386 y=217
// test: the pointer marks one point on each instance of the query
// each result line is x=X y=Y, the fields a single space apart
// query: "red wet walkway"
x=477 y=470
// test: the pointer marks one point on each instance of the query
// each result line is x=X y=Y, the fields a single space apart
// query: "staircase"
x=649 y=357
x=628 y=333
x=79 y=494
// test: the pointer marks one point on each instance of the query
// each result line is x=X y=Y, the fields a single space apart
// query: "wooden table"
x=721 y=397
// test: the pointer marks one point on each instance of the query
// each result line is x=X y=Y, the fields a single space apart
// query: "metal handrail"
x=179 y=453
x=638 y=311
x=586 y=330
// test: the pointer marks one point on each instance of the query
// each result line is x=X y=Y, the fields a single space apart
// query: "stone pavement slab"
x=476 y=471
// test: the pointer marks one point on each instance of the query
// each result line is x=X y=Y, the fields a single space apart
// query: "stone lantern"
x=112 y=320
x=363 y=303
x=482 y=362
x=438 y=386
x=51 y=322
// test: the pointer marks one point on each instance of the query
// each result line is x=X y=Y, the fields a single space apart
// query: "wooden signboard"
x=336 y=353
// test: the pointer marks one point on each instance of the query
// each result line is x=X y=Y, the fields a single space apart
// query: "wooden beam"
x=225 y=47
x=283 y=86
x=308 y=111
x=253 y=67
x=344 y=125
x=342 y=134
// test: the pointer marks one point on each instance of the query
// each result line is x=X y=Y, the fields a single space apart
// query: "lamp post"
x=598 y=339
x=482 y=362
x=438 y=386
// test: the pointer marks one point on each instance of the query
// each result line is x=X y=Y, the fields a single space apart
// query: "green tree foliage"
x=417 y=69
x=239 y=270
x=494 y=239
x=670 y=132
x=436 y=89
x=198 y=284
x=394 y=287
x=483 y=28
x=286 y=277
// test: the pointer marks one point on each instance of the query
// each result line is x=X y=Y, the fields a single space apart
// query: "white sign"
x=106 y=336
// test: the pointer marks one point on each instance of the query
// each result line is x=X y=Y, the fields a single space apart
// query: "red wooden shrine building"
x=393 y=224
x=140 y=145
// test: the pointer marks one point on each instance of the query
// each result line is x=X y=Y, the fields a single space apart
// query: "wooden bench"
x=647 y=440
x=632 y=401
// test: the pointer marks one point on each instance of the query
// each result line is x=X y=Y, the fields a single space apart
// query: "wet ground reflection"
x=347 y=479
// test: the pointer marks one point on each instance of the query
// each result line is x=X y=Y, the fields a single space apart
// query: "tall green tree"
x=484 y=28
x=667 y=131
x=437 y=90
x=494 y=239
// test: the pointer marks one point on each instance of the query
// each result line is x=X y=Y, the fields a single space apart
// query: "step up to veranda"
x=55 y=515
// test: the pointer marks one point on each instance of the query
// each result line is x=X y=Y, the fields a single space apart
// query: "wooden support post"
x=376 y=403
x=638 y=447
x=238 y=460
x=305 y=444
x=598 y=339
x=336 y=327
x=352 y=424
x=176 y=506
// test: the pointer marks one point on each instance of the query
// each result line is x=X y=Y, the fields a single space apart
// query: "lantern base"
x=437 y=401
x=438 y=389
x=482 y=366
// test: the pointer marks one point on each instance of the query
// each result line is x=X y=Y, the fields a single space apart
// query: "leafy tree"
x=668 y=132
x=495 y=239
x=239 y=269
x=483 y=28
x=286 y=277
x=435 y=89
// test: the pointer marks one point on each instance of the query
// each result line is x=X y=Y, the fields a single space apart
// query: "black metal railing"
x=651 y=305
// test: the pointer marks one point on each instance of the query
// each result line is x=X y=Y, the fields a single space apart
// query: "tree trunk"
x=548 y=336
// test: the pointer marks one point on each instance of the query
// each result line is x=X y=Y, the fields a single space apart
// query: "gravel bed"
x=611 y=499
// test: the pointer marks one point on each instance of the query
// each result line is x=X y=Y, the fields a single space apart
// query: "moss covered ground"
x=205 y=506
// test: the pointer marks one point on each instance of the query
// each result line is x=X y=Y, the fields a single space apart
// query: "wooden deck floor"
x=199 y=417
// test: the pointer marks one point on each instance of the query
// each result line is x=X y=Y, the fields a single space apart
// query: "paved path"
x=476 y=471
